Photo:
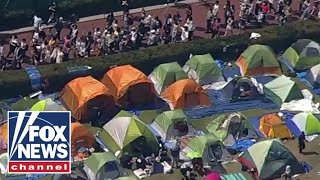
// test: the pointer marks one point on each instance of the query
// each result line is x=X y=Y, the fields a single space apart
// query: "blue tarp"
x=302 y=75
x=35 y=77
x=243 y=144
x=221 y=104
x=255 y=122
x=233 y=176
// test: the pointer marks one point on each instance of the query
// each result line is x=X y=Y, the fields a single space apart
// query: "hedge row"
x=19 y=13
x=13 y=83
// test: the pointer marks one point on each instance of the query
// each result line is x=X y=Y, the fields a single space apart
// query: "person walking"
x=301 y=142
x=209 y=19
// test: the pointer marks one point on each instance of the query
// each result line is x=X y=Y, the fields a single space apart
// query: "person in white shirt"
x=215 y=9
x=37 y=21
x=184 y=34
x=60 y=55
x=174 y=32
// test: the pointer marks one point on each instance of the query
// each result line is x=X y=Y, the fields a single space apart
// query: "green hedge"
x=19 y=13
x=13 y=83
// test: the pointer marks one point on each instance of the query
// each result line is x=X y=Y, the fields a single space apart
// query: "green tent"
x=46 y=105
x=24 y=104
x=102 y=165
x=303 y=54
x=307 y=122
x=166 y=74
x=165 y=124
x=269 y=158
x=258 y=60
x=207 y=147
x=125 y=132
x=228 y=127
x=281 y=90
x=203 y=69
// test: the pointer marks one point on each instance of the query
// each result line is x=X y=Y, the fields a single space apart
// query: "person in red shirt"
x=265 y=8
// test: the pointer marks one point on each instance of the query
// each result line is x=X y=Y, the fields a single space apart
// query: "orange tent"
x=185 y=93
x=129 y=86
x=80 y=137
x=81 y=95
x=272 y=126
x=4 y=132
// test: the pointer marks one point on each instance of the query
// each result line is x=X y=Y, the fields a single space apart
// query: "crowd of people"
x=150 y=31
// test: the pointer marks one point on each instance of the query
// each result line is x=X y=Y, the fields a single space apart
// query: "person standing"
x=125 y=6
x=229 y=27
x=215 y=27
x=175 y=152
x=13 y=45
x=209 y=19
x=215 y=9
x=3 y=62
x=301 y=142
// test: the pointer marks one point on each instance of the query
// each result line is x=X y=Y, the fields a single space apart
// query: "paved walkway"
x=101 y=16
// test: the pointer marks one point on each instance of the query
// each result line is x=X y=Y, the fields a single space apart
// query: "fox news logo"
x=39 y=142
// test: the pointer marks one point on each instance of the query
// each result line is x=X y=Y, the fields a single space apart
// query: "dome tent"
x=167 y=122
x=208 y=147
x=125 y=132
x=203 y=69
x=241 y=88
x=281 y=90
x=83 y=95
x=269 y=158
x=258 y=60
x=129 y=86
x=307 y=122
x=229 y=127
x=166 y=74
x=272 y=126
x=313 y=76
x=303 y=54
x=80 y=137
x=102 y=165
x=185 y=93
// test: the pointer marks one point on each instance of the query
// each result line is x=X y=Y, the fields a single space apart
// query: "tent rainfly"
x=123 y=130
x=272 y=126
x=166 y=74
x=203 y=69
x=102 y=165
x=269 y=158
x=129 y=86
x=47 y=105
x=303 y=54
x=166 y=124
x=313 y=76
x=207 y=147
x=281 y=90
x=185 y=93
x=307 y=122
x=258 y=60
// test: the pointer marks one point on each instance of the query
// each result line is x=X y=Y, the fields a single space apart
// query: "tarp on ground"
x=259 y=60
x=281 y=90
x=203 y=69
x=166 y=74
x=185 y=93
x=129 y=86
x=303 y=54
x=83 y=94
x=269 y=158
